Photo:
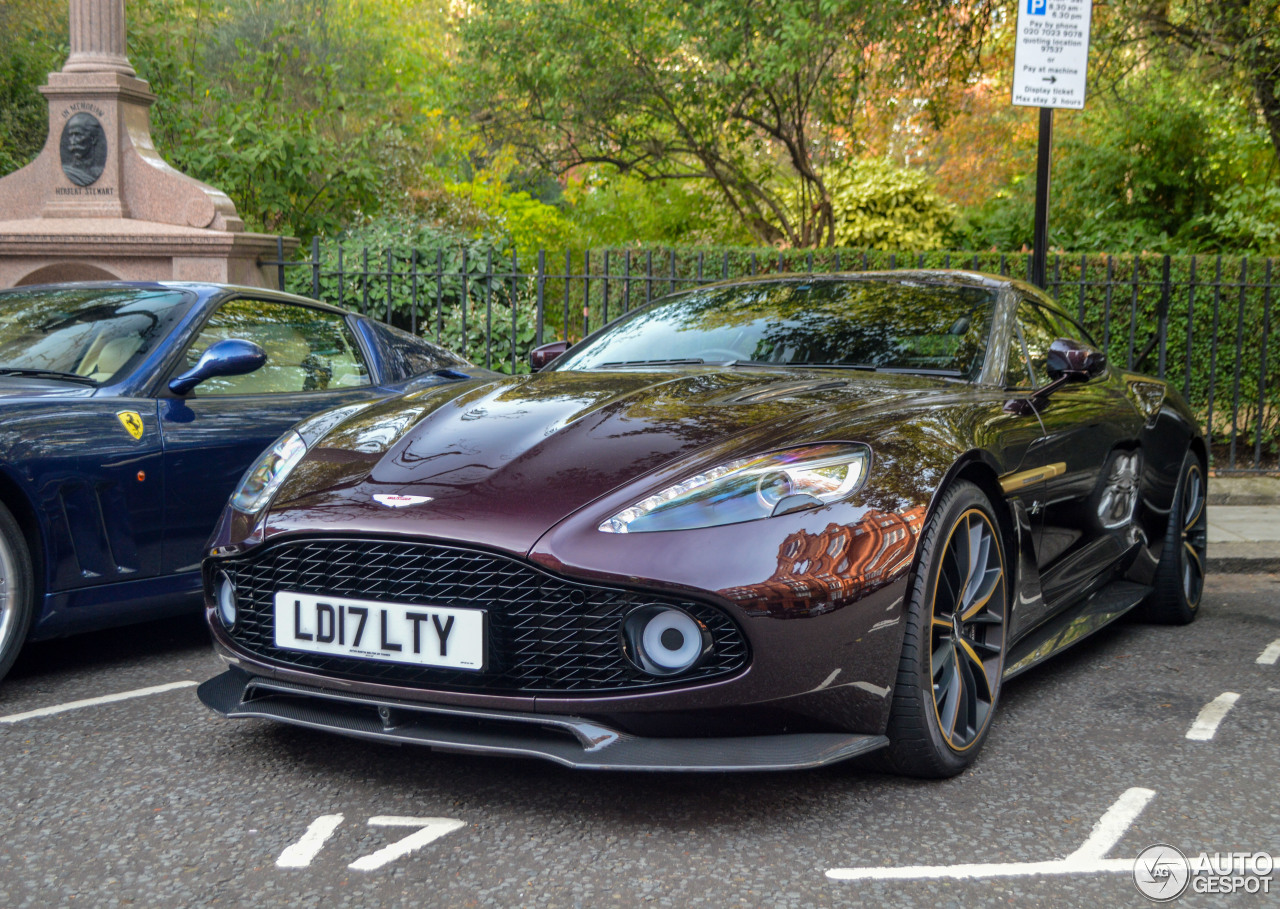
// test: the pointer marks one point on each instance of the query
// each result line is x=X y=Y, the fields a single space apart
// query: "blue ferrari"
x=130 y=413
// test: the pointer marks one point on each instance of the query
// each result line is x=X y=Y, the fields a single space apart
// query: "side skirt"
x=1068 y=627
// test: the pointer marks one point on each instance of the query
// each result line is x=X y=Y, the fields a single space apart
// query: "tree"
x=33 y=43
x=1241 y=37
x=759 y=98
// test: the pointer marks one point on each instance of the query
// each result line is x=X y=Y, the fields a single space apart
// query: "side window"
x=408 y=356
x=1070 y=328
x=307 y=349
x=1038 y=334
x=1016 y=372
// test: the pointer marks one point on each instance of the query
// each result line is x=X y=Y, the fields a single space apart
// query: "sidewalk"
x=1244 y=524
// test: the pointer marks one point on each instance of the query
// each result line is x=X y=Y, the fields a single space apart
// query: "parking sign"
x=1051 y=56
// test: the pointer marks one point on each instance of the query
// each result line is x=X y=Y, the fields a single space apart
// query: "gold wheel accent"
x=967 y=628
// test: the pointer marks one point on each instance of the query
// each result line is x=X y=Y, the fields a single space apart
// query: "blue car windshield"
x=85 y=334
x=894 y=325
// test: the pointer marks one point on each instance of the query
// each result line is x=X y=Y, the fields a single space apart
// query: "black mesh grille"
x=545 y=634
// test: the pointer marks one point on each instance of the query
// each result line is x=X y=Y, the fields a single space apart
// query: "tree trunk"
x=1264 y=87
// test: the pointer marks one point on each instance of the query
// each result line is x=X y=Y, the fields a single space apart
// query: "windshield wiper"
x=46 y=374
x=627 y=364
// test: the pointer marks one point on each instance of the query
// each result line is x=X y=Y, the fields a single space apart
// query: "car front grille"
x=545 y=634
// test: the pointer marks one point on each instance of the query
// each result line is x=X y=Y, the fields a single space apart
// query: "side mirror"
x=1073 y=361
x=231 y=357
x=541 y=356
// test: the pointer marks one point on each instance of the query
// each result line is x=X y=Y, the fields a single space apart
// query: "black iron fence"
x=1202 y=322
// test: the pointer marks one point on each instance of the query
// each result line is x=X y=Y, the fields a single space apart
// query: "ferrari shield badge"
x=394 y=501
x=131 y=420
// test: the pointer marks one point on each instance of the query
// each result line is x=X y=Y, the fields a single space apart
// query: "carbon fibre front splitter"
x=567 y=740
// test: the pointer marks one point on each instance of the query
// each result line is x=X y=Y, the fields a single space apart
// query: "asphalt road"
x=154 y=801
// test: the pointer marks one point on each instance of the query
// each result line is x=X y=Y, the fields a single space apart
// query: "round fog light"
x=225 y=591
x=663 y=640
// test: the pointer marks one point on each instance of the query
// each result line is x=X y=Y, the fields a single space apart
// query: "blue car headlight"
x=750 y=488
x=265 y=476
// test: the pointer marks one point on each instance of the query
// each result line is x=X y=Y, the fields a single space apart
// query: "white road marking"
x=1112 y=825
x=432 y=828
x=1088 y=859
x=1211 y=715
x=964 y=872
x=1269 y=656
x=94 y=702
x=300 y=854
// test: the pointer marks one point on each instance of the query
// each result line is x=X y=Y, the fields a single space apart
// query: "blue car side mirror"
x=231 y=357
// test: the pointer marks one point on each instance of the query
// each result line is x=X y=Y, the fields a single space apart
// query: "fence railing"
x=1201 y=322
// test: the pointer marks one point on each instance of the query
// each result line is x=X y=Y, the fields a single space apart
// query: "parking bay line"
x=1269 y=656
x=1206 y=724
x=94 y=702
x=1088 y=859
x=300 y=854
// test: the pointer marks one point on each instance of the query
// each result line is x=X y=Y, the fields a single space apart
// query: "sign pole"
x=1040 y=248
x=1050 y=68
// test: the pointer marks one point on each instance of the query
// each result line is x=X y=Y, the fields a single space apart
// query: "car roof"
x=901 y=276
x=204 y=290
x=941 y=277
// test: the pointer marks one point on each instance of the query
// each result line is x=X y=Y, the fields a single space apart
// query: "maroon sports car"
x=774 y=523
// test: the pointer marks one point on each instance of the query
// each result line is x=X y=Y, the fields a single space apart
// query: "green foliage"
x=879 y=205
x=747 y=97
x=33 y=42
x=256 y=100
x=522 y=220
x=1235 y=43
x=431 y=282
x=622 y=209
x=1244 y=218
x=1166 y=167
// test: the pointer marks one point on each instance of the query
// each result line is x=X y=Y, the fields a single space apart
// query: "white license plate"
x=391 y=632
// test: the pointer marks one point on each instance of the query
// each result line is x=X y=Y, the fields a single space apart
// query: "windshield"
x=893 y=325
x=85 y=333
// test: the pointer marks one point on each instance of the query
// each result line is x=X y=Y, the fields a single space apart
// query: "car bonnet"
x=500 y=462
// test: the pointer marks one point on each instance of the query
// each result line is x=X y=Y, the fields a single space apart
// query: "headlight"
x=750 y=488
x=265 y=477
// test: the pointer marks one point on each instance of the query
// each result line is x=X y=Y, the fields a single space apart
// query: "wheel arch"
x=979 y=468
x=14 y=497
x=1201 y=451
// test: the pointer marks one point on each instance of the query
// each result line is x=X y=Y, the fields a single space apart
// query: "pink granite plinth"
x=48 y=250
x=100 y=203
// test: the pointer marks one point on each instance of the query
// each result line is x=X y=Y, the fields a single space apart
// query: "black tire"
x=949 y=675
x=17 y=590
x=1179 y=581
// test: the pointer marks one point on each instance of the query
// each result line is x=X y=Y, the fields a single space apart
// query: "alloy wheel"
x=968 y=629
x=8 y=594
x=1194 y=535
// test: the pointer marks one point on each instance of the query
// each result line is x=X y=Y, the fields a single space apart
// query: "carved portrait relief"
x=84 y=149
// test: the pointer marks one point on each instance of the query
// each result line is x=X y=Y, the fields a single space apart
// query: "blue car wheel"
x=16 y=598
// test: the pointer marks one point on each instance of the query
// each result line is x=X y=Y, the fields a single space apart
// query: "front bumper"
x=567 y=740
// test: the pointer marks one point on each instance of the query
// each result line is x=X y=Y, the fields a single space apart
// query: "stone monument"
x=99 y=203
